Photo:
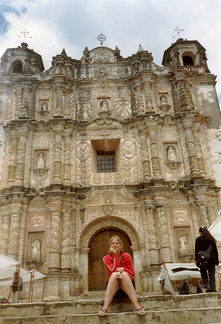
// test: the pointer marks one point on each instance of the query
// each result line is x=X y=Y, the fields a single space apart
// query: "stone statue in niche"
x=36 y=251
x=104 y=107
x=44 y=106
x=164 y=106
x=171 y=154
x=183 y=244
x=163 y=100
x=40 y=161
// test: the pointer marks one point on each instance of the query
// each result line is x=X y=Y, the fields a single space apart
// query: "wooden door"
x=98 y=249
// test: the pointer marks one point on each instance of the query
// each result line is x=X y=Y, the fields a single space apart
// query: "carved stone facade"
x=157 y=120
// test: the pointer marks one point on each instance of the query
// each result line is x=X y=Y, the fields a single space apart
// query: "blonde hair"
x=116 y=237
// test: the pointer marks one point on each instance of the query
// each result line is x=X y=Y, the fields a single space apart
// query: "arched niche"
x=188 y=58
x=17 y=67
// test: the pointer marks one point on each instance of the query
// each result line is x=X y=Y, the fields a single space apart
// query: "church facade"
x=104 y=146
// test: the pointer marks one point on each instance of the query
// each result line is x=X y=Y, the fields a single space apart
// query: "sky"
x=48 y=26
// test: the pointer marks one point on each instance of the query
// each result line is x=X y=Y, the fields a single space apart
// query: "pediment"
x=102 y=55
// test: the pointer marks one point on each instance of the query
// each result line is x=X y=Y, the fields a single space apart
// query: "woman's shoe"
x=140 y=311
x=102 y=312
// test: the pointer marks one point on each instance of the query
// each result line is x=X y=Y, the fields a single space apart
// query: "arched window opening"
x=187 y=60
x=17 y=68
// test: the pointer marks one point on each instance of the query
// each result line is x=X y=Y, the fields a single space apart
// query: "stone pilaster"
x=154 y=153
x=199 y=152
x=57 y=158
x=203 y=218
x=19 y=177
x=148 y=98
x=13 y=152
x=5 y=225
x=14 y=231
x=67 y=160
x=59 y=101
x=191 y=148
x=163 y=233
x=154 y=258
x=145 y=157
x=66 y=238
x=55 y=237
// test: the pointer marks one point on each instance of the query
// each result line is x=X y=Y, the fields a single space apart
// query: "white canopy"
x=215 y=229
x=177 y=271
x=8 y=267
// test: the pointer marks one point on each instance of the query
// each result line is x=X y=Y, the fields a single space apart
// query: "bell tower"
x=21 y=60
x=186 y=54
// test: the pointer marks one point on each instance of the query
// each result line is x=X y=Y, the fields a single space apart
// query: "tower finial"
x=101 y=38
x=24 y=33
x=178 y=31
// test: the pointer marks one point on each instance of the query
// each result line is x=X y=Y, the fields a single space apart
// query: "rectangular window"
x=106 y=161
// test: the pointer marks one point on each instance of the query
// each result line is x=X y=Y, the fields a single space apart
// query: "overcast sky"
x=75 y=24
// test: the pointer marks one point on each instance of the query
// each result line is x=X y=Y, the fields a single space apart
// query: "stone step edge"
x=113 y=314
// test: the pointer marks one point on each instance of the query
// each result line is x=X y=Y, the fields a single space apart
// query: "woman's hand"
x=120 y=269
x=111 y=250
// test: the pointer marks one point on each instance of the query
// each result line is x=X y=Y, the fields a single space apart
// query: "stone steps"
x=190 y=309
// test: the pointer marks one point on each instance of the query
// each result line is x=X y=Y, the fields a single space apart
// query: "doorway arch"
x=96 y=226
x=98 y=248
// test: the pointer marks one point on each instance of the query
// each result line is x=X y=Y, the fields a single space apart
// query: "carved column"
x=164 y=234
x=199 y=152
x=21 y=159
x=18 y=106
x=67 y=159
x=82 y=155
x=148 y=98
x=140 y=102
x=57 y=158
x=191 y=148
x=67 y=103
x=154 y=153
x=154 y=258
x=66 y=238
x=145 y=157
x=203 y=215
x=55 y=237
x=13 y=157
x=14 y=231
x=4 y=230
x=59 y=101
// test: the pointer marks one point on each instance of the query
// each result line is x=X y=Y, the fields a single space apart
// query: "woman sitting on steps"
x=121 y=272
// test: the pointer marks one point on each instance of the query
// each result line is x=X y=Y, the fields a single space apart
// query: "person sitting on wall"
x=121 y=272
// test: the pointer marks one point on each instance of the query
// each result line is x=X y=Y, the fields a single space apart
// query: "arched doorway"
x=98 y=248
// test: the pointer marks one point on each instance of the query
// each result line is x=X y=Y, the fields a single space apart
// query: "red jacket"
x=112 y=263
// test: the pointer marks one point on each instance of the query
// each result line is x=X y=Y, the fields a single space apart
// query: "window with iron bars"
x=106 y=161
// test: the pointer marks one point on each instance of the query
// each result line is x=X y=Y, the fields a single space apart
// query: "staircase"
x=162 y=309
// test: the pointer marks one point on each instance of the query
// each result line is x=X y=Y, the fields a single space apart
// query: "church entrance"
x=98 y=248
